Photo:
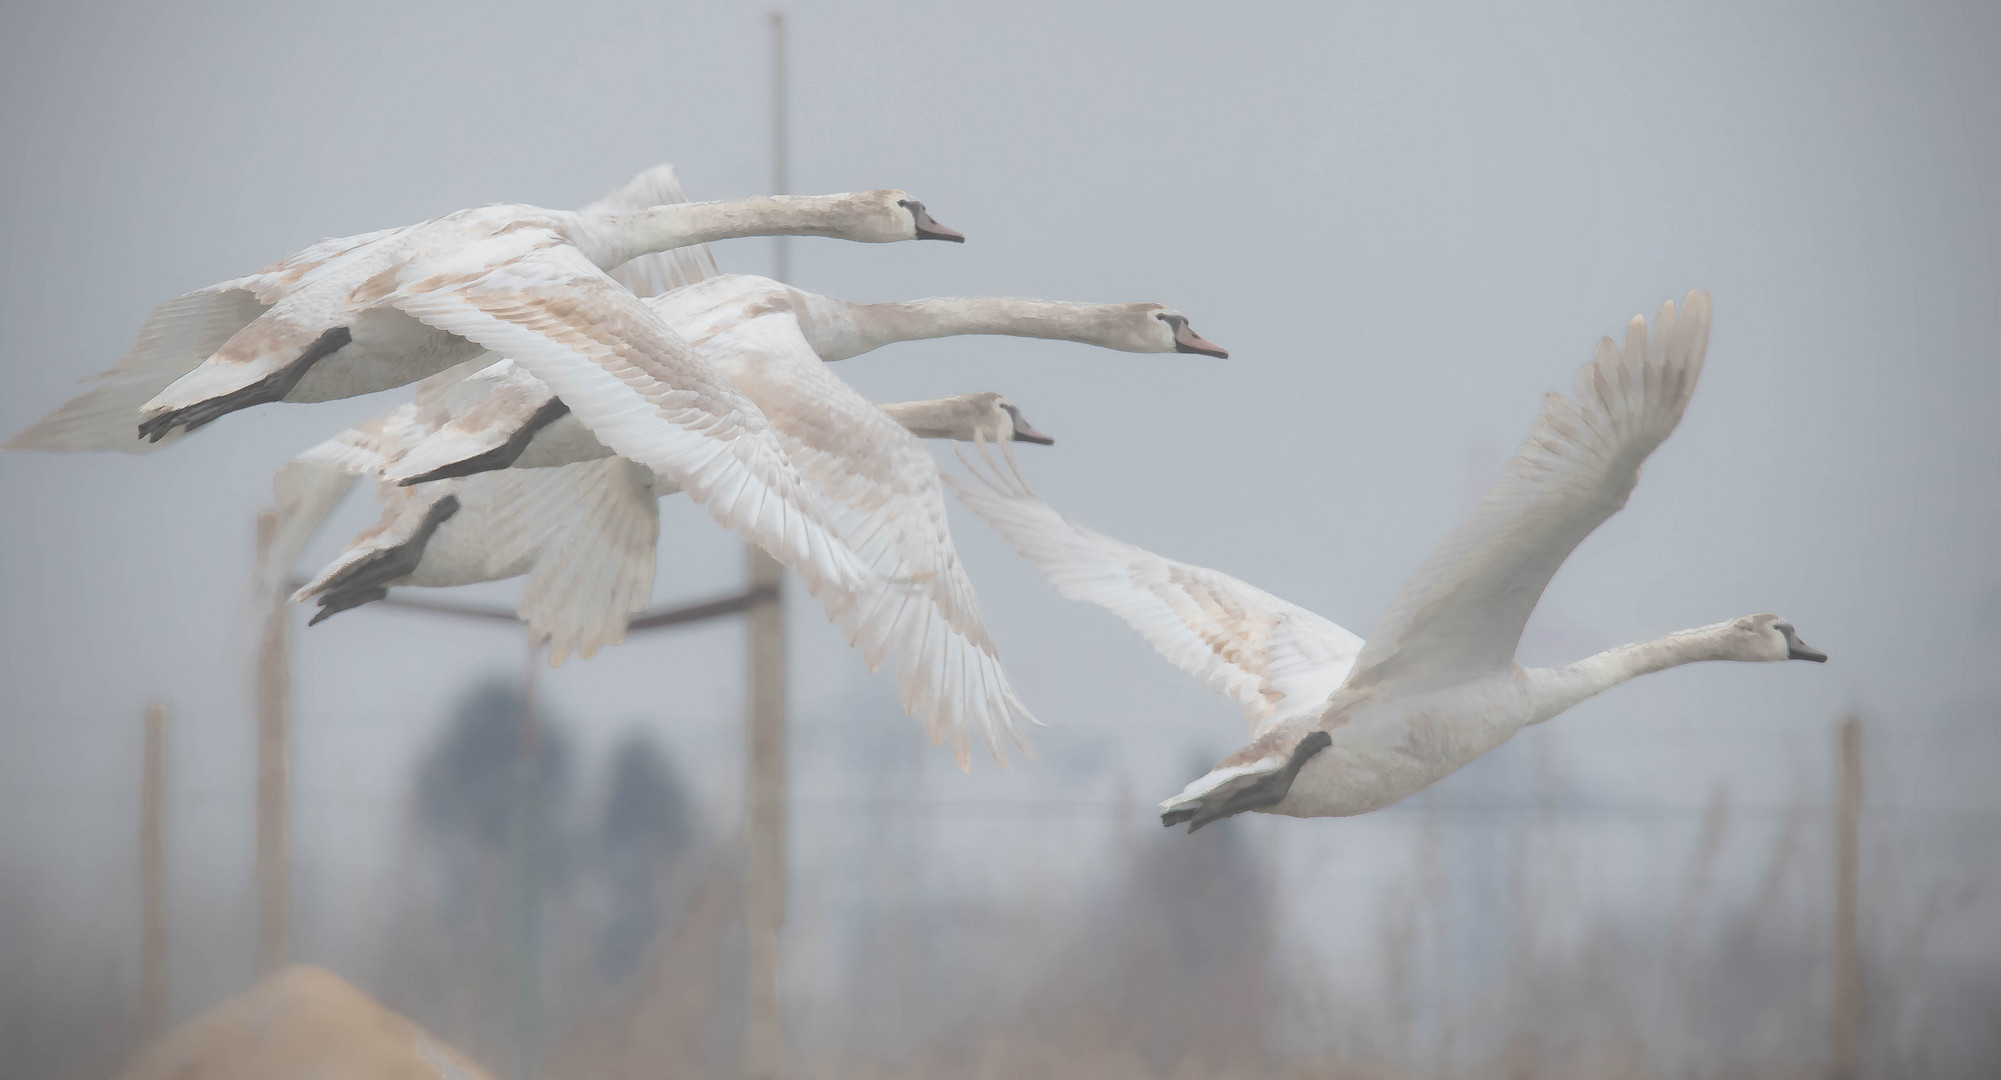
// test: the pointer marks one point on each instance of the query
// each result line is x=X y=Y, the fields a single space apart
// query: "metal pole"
x=1847 y=943
x=764 y=795
x=153 y=876
x=274 y=857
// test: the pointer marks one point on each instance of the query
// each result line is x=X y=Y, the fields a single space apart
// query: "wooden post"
x=1847 y=944
x=528 y=853
x=764 y=794
x=153 y=876
x=274 y=857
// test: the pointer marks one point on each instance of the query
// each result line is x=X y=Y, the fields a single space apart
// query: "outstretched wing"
x=594 y=573
x=1464 y=609
x=662 y=271
x=1275 y=659
x=173 y=341
x=641 y=389
x=881 y=488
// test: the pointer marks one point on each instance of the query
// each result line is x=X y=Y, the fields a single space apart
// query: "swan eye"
x=1175 y=322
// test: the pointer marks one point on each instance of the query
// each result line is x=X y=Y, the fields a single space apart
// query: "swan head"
x=1163 y=329
x=1768 y=638
x=888 y=215
x=984 y=416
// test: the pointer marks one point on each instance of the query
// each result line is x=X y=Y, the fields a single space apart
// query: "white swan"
x=326 y=322
x=585 y=533
x=520 y=422
x=1340 y=727
x=530 y=282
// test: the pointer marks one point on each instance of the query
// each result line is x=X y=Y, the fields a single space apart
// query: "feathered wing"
x=882 y=490
x=594 y=573
x=641 y=389
x=1464 y=609
x=173 y=341
x=1275 y=659
x=662 y=271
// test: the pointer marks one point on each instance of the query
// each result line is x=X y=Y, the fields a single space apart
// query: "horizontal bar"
x=656 y=619
x=728 y=605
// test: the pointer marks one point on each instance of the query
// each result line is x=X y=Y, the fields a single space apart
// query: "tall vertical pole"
x=274 y=856
x=1847 y=942
x=153 y=876
x=528 y=816
x=764 y=812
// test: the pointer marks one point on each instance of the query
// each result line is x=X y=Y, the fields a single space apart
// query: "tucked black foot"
x=368 y=579
x=500 y=457
x=272 y=387
x=1248 y=793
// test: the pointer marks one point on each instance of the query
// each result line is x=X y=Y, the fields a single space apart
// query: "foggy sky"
x=1406 y=225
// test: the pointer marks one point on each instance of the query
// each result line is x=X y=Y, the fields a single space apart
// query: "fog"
x=1405 y=223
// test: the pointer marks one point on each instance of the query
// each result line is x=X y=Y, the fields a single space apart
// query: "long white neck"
x=959 y=418
x=1552 y=690
x=614 y=239
x=846 y=329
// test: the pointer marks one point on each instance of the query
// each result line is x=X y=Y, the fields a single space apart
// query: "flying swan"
x=1340 y=727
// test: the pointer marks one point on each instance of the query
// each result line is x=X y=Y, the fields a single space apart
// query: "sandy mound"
x=301 y=1023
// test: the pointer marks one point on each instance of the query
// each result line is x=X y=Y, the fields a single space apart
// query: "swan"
x=584 y=533
x=1341 y=727
x=520 y=422
x=181 y=333
x=326 y=322
x=531 y=284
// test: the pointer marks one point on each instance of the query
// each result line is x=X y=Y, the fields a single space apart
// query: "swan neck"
x=611 y=240
x=1557 y=689
x=951 y=418
x=875 y=325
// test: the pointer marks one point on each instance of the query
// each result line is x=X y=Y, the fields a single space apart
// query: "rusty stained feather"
x=1239 y=638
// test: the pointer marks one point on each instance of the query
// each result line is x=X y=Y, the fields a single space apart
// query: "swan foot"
x=500 y=457
x=367 y=579
x=272 y=387
x=1252 y=791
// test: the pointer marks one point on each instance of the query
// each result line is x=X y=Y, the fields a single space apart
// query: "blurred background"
x=1405 y=221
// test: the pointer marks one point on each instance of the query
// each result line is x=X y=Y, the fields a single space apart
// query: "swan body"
x=525 y=426
x=1341 y=727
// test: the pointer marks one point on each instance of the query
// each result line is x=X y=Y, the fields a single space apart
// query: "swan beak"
x=1800 y=650
x=1188 y=341
x=928 y=228
x=1025 y=432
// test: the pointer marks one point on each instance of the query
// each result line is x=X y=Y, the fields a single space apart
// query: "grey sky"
x=1405 y=224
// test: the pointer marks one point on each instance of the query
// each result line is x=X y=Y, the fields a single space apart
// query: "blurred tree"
x=647 y=824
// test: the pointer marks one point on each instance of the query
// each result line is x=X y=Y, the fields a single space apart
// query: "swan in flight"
x=328 y=322
x=1340 y=727
x=507 y=418
x=584 y=534
x=532 y=284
